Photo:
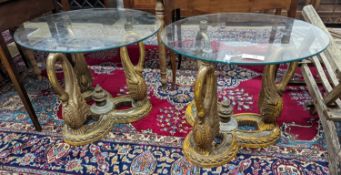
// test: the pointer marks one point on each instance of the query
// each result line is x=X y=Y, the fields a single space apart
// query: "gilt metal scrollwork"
x=205 y=146
x=266 y=131
x=81 y=126
x=137 y=95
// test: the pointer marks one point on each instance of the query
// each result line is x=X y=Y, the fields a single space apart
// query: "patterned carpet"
x=153 y=144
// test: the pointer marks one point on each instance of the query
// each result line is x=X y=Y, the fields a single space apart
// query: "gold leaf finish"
x=270 y=105
x=137 y=95
x=83 y=74
x=76 y=113
x=264 y=135
x=190 y=113
x=204 y=145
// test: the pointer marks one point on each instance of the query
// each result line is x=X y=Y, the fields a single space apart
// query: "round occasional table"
x=243 y=39
x=90 y=30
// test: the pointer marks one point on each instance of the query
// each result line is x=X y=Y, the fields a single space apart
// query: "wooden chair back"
x=215 y=6
x=14 y=13
x=190 y=8
x=66 y=6
x=326 y=99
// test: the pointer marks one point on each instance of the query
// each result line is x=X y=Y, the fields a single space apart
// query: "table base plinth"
x=265 y=131
x=83 y=126
x=262 y=134
x=137 y=111
x=219 y=155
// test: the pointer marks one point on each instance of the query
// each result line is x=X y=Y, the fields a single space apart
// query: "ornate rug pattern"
x=153 y=144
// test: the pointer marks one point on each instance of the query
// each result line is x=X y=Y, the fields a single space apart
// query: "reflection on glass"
x=202 y=41
x=130 y=33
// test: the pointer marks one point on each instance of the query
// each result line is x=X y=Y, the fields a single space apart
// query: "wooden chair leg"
x=28 y=55
x=66 y=5
x=163 y=65
x=159 y=11
x=31 y=58
x=23 y=56
x=4 y=57
x=173 y=64
x=179 y=61
x=177 y=17
x=2 y=74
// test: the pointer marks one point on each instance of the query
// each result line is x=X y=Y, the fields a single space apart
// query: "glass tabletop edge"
x=239 y=63
x=88 y=51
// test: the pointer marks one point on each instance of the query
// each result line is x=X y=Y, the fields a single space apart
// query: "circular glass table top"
x=244 y=38
x=86 y=30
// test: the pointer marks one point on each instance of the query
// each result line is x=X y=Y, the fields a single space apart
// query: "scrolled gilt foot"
x=89 y=132
x=137 y=111
x=220 y=154
x=80 y=126
x=263 y=135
